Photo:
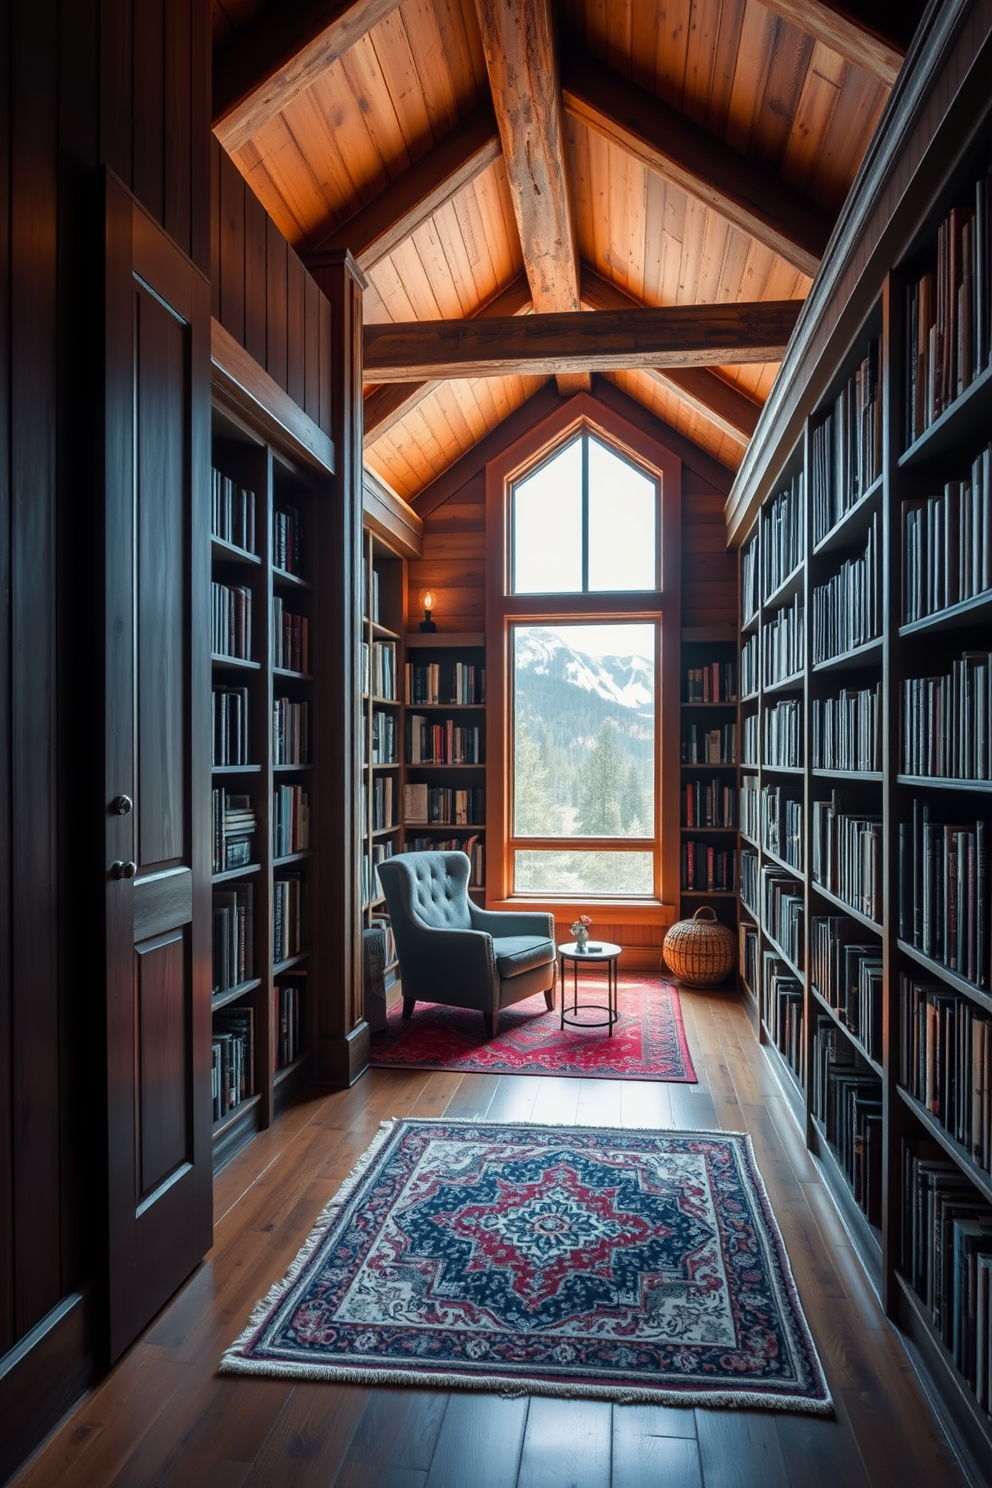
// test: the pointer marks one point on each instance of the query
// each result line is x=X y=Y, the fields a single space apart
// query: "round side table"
x=595 y=954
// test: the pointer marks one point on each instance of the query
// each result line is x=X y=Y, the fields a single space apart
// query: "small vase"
x=582 y=939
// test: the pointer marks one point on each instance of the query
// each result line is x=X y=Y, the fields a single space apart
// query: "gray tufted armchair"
x=451 y=951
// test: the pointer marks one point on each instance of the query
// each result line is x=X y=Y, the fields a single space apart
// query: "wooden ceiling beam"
x=703 y=165
x=847 y=34
x=412 y=199
x=389 y=404
x=278 y=54
x=520 y=46
x=575 y=341
x=730 y=410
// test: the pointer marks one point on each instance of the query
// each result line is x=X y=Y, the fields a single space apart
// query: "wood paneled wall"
x=126 y=84
x=262 y=294
x=709 y=568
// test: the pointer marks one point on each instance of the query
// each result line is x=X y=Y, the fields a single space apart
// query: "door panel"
x=157 y=767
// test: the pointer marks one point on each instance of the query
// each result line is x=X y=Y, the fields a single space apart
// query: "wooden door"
x=157 y=765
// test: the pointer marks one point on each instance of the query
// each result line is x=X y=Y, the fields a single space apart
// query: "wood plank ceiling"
x=703 y=153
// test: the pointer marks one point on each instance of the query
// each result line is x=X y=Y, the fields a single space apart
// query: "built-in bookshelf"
x=866 y=781
x=263 y=525
x=710 y=755
x=383 y=607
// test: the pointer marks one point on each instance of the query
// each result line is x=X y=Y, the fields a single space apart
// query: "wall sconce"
x=427 y=623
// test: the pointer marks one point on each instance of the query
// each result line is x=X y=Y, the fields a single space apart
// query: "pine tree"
x=534 y=812
x=601 y=783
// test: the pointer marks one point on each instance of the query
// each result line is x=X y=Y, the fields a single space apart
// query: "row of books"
x=716 y=682
x=750 y=808
x=708 y=803
x=445 y=743
x=709 y=746
x=289 y=541
x=783 y=536
x=233 y=829
x=708 y=869
x=947 y=721
x=287 y=997
x=230 y=620
x=385 y=739
x=290 y=732
x=847 y=609
x=846 y=447
x=782 y=1012
x=473 y=847
x=233 y=936
x=783 y=643
x=290 y=820
x=782 y=911
x=945 y=1045
x=441 y=805
x=453 y=683
x=750 y=594
x=784 y=734
x=947 y=544
x=847 y=856
x=290 y=638
x=847 y=730
x=847 y=1104
x=750 y=881
x=229 y=727
x=944 y=891
x=379 y=669
x=232 y=511
x=377 y=853
x=749 y=667
x=846 y=970
x=383 y=802
x=947 y=1257
x=782 y=825
x=751 y=740
x=232 y=1058
x=749 y=947
x=948 y=314
x=289 y=916
x=370 y=591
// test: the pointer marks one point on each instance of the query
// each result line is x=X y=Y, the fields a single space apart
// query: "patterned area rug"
x=648 y=1042
x=611 y=1265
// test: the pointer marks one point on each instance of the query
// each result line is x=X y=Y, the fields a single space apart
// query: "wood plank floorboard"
x=164 y=1417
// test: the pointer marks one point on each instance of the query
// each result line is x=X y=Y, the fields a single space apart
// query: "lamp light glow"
x=428 y=601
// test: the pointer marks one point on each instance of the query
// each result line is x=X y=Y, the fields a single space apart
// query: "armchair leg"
x=409 y=1003
x=490 y=1020
x=549 y=999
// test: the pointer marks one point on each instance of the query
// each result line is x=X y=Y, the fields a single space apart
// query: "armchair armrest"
x=452 y=959
x=513 y=922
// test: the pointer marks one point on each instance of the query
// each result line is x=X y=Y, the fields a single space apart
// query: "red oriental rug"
x=648 y=1042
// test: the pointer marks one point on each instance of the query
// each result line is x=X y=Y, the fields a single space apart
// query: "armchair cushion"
x=517 y=953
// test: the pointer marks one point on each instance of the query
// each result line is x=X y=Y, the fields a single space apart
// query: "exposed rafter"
x=278 y=54
x=521 y=53
x=707 y=394
x=387 y=405
x=610 y=340
x=844 y=33
x=414 y=197
x=701 y=164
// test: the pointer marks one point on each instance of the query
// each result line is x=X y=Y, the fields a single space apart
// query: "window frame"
x=504 y=609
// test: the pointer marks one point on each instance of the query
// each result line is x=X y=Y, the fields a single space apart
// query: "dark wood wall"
x=262 y=294
x=121 y=83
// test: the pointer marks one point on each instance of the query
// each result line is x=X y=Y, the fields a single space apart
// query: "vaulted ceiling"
x=650 y=184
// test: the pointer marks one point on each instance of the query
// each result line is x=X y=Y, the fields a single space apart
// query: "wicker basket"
x=701 y=952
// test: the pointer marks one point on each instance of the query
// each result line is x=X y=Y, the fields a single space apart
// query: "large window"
x=582 y=611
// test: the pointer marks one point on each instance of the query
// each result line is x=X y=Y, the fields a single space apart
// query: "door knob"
x=122 y=805
x=123 y=870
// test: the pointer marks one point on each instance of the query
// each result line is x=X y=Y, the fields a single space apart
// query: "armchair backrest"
x=426 y=890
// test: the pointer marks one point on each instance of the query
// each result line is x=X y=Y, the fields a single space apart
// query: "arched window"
x=578 y=615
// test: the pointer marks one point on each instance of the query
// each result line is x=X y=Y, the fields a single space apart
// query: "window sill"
x=602 y=911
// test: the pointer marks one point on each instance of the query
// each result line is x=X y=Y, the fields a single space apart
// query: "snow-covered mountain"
x=624 y=681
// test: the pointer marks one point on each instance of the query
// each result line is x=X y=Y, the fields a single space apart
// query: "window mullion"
x=585 y=513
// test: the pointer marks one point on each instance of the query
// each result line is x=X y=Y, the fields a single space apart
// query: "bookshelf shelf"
x=868 y=775
x=774 y=945
x=848 y=1033
x=979 y=1177
x=231 y=994
x=790 y=585
x=245 y=1112
x=853 y=525
x=288 y=1071
x=288 y=962
x=226 y=552
x=290 y=580
x=858 y=656
x=787 y=684
x=938 y=782
x=773 y=857
x=974 y=611
x=780 y=769
x=235 y=663
x=943 y=973
x=844 y=907
x=292 y=676
x=230 y=874
x=966 y=420
x=866 y=1237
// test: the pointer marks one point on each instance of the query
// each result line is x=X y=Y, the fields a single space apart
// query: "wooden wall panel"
x=264 y=297
x=453 y=563
x=709 y=568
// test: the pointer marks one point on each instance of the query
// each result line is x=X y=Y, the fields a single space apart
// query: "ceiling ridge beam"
x=389 y=404
x=575 y=341
x=847 y=34
x=385 y=222
x=700 y=163
x=520 y=44
x=275 y=57
x=702 y=390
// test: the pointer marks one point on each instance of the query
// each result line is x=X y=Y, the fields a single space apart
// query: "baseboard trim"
x=341 y=1061
x=44 y=1374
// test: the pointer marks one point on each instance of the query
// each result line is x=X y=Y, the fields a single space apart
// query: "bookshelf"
x=263 y=776
x=866 y=767
x=710 y=756
x=383 y=606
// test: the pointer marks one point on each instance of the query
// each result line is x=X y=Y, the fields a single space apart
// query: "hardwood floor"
x=163 y=1417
